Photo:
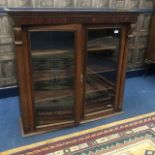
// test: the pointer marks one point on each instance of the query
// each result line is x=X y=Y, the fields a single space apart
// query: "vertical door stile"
x=84 y=56
x=56 y=71
x=120 y=63
x=80 y=41
x=121 y=69
x=124 y=45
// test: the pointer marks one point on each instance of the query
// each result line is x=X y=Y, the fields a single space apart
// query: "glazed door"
x=102 y=60
x=54 y=60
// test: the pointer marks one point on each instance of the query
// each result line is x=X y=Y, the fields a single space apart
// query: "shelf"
x=46 y=123
x=100 y=96
x=96 y=69
x=98 y=83
x=99 y=64
x=49 y=113
x=53 y=116
x=51 y=74
x=97 y=107
x=102 y=43
x=93 y=68
x=105 y=48
x=54 y=84
x=52 y=63
x=101 y=84
x=62 y=74
x=54 y=52
x=56 y=105
x=55 y=111
x=42 y=96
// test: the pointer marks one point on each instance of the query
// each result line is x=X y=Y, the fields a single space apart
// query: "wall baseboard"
x=11 y=91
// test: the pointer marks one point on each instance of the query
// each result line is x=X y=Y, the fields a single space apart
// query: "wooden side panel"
x=24 y=78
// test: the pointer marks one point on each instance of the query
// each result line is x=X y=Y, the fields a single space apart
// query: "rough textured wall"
x=121 y=4
x=137 y=46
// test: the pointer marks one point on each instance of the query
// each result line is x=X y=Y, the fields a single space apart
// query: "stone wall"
x=121 y=4
x=137 y=46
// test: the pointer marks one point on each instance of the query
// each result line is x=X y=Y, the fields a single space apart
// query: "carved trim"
x=18 y=36
x=18 y=43
x=17 y=28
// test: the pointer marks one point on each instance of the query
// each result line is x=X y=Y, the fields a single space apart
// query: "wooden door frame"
x=121 y=68
x=28 y=106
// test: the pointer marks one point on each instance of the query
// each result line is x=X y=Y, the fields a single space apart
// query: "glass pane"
x=101 y=70
x=53 y=73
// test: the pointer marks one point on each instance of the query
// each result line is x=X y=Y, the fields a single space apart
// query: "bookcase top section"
x=42 y=16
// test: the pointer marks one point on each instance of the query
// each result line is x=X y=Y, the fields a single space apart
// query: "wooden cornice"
x=69 y=16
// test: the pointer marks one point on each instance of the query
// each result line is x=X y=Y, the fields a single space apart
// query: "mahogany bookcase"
x=71 y=65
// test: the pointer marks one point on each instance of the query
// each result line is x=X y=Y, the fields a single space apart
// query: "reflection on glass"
x=53 y=73
x=101 y=70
